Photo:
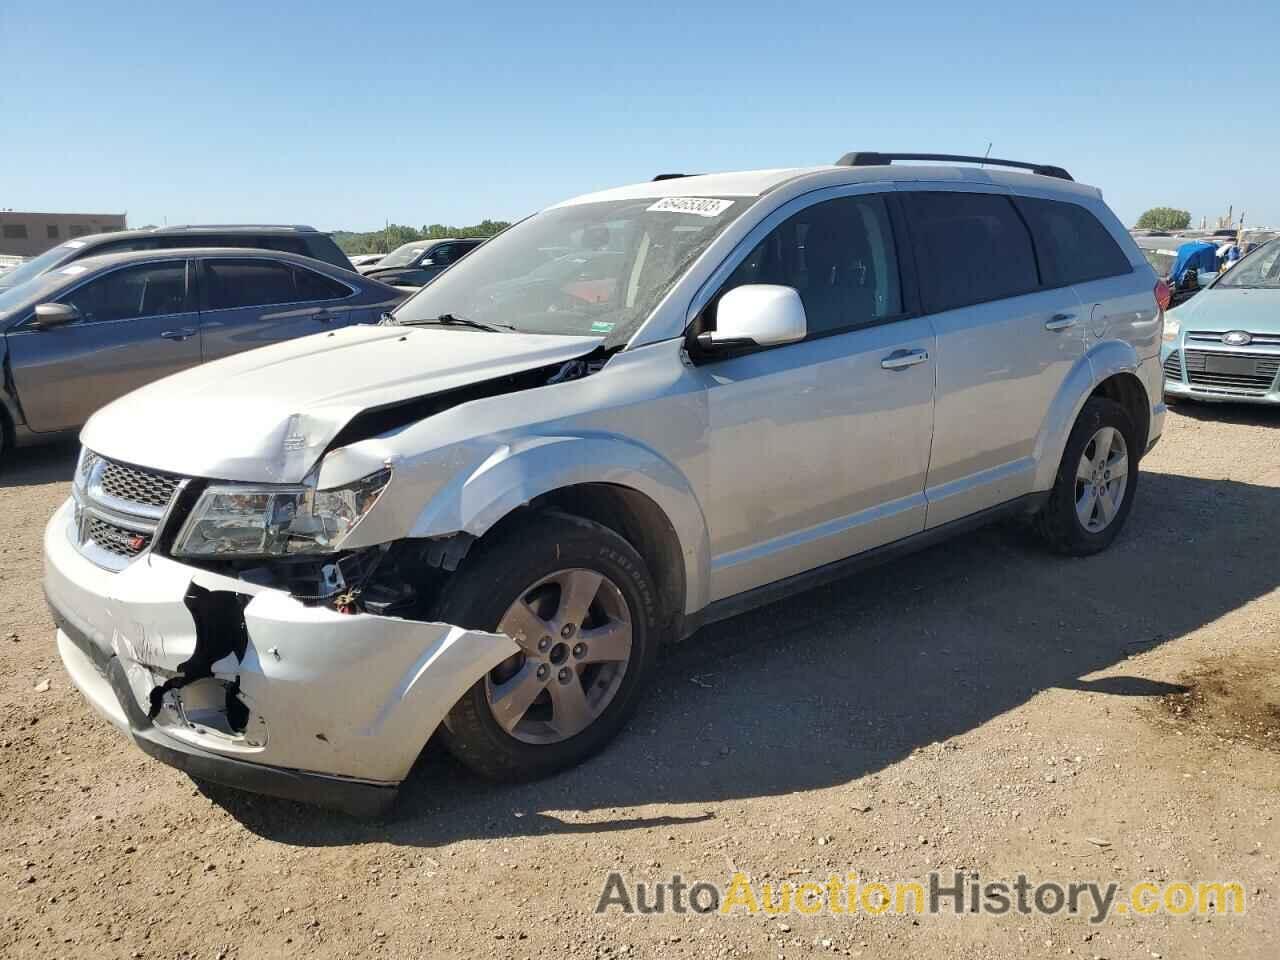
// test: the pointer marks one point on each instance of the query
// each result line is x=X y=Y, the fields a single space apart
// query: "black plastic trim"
x=868 y=159
x=839 y=569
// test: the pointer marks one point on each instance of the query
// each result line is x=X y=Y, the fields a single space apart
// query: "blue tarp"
x=1198 y=255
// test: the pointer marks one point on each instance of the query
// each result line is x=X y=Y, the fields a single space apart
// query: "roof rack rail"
x=865 y=159
x=297 y=227
x=672 y=176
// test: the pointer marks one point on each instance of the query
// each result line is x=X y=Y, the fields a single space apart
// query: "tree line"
x=396 y=234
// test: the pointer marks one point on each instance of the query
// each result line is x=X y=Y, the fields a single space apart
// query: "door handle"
x=180 y=334
x=1060 y=321
x=901 y=359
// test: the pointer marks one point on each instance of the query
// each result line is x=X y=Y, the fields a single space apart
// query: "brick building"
x=29 y=234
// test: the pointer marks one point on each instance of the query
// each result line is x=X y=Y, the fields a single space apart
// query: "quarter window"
x=973 y=247
x=316 y=286
x=839 y=255
x=131 y=293
x=1071 y=245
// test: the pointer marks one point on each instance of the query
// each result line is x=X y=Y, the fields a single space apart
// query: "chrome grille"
x=1173 y=367
x=1266 y=366
x=1259 y=339
x=119 y=508
x=138 y=486
x=113 y=539
x=87 y=463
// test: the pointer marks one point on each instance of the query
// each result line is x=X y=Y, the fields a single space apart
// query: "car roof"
x=757 y=183
x=255 y=229
x=93 y=262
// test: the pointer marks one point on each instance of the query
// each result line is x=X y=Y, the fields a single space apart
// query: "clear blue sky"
x=343 y=114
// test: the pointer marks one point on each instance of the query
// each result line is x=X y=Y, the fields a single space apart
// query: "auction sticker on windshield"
x=699 y=206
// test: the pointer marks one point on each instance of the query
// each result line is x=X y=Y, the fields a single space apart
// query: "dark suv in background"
x=306 y=241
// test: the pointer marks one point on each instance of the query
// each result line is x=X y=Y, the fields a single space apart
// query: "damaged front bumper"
x=243 y=685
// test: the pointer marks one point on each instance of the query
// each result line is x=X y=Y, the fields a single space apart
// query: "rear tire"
x=579 y=675
x=1095 y=484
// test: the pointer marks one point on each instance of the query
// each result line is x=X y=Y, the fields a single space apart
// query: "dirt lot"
x=982 y=706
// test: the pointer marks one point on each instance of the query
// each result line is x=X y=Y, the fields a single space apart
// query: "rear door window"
x=130 y=293
x=972 y=248
x=1072 y=246
x=233 y=283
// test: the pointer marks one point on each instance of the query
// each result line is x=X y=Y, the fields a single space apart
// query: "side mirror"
x=427 y=263
x=756 y=315
x=49 y=315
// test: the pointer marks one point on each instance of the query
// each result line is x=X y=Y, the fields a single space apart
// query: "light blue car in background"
x=1224 y=345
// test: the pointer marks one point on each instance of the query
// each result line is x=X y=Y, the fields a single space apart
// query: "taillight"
x=1164 y=295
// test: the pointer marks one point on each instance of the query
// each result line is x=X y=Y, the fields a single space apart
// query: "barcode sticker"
x=698 y=206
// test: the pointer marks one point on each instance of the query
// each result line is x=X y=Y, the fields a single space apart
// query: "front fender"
x=488 y=487
x=517 y=473
x=1105 y=360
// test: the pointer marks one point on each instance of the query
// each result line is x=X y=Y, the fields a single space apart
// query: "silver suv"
x=631 y=414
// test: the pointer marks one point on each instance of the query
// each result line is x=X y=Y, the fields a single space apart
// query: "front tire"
x=579 y=601
x=1095 y=484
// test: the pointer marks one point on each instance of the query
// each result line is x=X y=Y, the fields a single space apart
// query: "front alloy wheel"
x=574 y=632
x=578 y=601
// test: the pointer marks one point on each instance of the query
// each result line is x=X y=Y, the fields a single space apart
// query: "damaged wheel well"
x=637 y=519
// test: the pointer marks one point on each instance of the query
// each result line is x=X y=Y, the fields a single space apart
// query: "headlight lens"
x=238 y=520
x=1171 y=328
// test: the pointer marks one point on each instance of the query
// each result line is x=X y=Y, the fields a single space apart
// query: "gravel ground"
x=982 y=706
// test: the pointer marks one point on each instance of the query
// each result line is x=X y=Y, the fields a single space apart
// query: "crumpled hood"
x=267 y=415
x=1220 y=309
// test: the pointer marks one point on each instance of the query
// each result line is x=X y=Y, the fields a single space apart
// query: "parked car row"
x=631 y=414
x=80 y=334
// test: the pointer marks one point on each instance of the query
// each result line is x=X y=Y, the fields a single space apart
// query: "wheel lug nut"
x=544 y=643
x=565 y=674
x=579 y=649
x=543 y=671
x=566 y=631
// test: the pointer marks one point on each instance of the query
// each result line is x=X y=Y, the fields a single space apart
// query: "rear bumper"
x=317 y=706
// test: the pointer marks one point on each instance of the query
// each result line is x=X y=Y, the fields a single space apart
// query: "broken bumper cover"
x=322 y=707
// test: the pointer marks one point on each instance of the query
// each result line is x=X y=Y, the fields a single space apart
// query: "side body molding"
x=1103 y=361
x=516 y=473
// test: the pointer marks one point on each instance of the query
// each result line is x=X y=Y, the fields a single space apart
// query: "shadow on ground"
x=30 y=466
x=843 y=681
x=1245 y=414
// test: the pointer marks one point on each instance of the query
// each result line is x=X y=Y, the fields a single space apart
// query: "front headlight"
x=1171 y=328
x=240 y=520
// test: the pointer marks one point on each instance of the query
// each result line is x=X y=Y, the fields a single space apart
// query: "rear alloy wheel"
x=1095 y=484
x=578 y=601
x=1102 y=477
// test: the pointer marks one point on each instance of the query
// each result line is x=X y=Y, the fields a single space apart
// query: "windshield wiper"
x=453 y=320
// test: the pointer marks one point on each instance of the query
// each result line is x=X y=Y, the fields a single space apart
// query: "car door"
x=138 y=324
x=1005 y=344
x=248 y=302
x=818 y=450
